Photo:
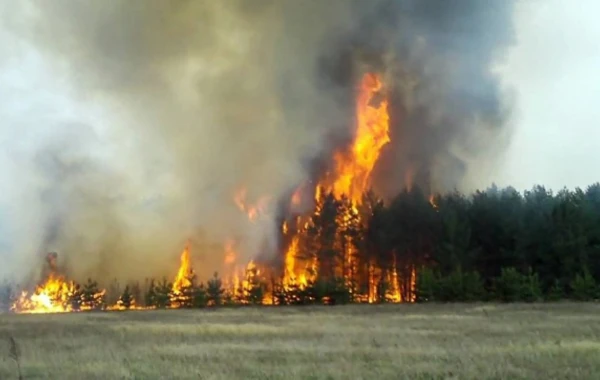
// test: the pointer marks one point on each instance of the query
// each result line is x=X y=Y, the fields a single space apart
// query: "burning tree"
x=331 y=256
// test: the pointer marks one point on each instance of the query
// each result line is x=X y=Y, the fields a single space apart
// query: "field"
x=346 y=342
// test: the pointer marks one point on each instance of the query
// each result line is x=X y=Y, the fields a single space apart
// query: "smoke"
x=194 y=100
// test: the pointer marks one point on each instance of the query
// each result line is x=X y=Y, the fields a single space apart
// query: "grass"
x=480 y=341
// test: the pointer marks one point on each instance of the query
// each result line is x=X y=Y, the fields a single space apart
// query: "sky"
x=552 y=71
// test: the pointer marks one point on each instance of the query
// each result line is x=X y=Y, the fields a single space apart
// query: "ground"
x=477 y=341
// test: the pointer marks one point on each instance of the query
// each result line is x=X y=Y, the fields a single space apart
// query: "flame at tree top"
x=351 y=178
x=184 y=274
x=353 y=167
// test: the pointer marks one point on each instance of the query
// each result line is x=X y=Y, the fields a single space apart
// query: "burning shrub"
x=126 y=299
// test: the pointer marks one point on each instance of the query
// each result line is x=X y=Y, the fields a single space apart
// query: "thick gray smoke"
x=199 y=99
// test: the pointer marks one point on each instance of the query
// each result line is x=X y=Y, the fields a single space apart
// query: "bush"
x=473 y=287
x=450 y=288
x=584 y=287
x=425 y=287
x=513 y=286
x=457 y=286
x=556 y=291
x=460 y=286
x=199 y=296
x=215 y=291
x=338 y=292
x=532 y=290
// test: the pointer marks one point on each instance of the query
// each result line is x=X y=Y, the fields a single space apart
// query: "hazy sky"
x=554 y=71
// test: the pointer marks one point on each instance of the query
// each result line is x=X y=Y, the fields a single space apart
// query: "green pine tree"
x=162 y=294
x=200 y=296
x=215 y=291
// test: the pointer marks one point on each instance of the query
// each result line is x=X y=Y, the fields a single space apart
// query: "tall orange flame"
x=182 y=280
x=351 y=177
x=353 y=168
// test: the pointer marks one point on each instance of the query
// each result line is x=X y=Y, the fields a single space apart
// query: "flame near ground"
x=347 y=181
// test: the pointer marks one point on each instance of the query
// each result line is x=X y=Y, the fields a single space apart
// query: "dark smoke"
x=204 y=97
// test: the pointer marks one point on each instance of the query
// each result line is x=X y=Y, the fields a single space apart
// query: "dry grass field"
x=559 y=341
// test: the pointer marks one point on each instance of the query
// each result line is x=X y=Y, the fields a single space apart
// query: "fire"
x=183 y=280
x=246 y=283
x=252 y=210
x=433 y=201
x=353 y=168
x=351 y=178
x=297 y=197
x=50 y=297
x=57 y=295
x=229 y=253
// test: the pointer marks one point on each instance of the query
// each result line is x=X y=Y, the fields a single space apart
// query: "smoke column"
x=193 y=100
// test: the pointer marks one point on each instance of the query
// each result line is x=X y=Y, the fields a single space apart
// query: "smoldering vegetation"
x=200 y=99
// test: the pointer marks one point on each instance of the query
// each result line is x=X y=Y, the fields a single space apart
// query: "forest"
x=493 y=245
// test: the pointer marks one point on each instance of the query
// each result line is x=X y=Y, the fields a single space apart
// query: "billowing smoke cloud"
x=199 y=99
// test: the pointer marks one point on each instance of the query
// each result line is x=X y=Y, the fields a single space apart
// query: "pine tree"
x=75 y=297
x=255 y=291
x=150 y=297
x=184 y=296
x=126 y=300
x=200 y=296
x=215 y=291
x=92 y=298
x=162 y=294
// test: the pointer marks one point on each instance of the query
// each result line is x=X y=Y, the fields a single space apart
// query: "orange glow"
x=433 y=201
x=296 y=197
x=184 y=273
x=253 y=211
x=229 y=253
x=353 y=168
x=50 y=297
x=350 y=177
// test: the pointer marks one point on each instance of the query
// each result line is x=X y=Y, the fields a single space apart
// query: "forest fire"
x=318 y=247
x=353 y=168
x=56 y=295
x=344 y=188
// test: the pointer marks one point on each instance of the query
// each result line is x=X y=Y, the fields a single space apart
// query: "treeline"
x=497 y=244
x=493 y=245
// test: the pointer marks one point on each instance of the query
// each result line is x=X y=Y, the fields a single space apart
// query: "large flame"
x=51 y=296
x=348 y=180
x=351 y=178
x=183 y=280
x=353 y=168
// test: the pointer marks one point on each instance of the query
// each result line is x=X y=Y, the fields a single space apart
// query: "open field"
x=345 y=342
